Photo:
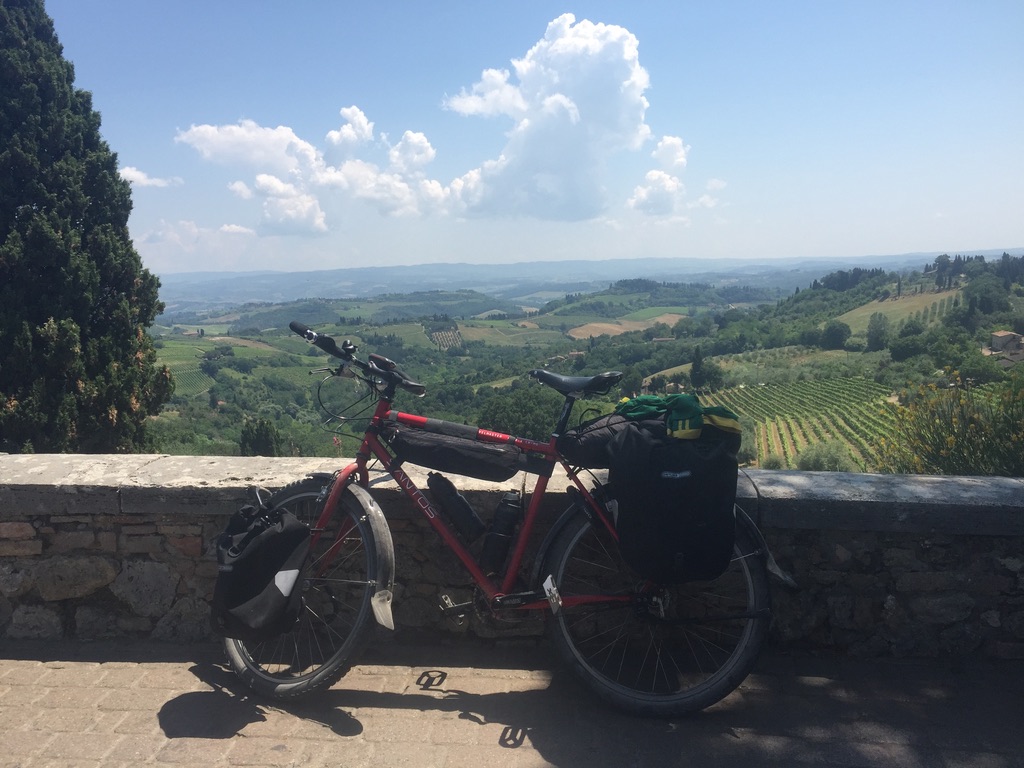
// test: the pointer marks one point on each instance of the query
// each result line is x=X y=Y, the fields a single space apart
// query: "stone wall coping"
x=779 y=499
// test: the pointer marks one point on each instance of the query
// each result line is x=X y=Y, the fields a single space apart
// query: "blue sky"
x=316 y=134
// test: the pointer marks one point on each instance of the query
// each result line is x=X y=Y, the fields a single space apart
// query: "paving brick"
x=134 y=699
x=59 y=697
x=349 y=753
x=461 y=728
x=267 y=752
x=412 y=754
x=137 y=749
x=139 y=723
x=170 y=677
x=192 y=752
x=22 y=696
x=78 y=746
x=25 y=744
x=16 y=718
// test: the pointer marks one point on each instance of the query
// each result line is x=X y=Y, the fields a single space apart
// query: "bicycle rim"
x=670 y=649
x=336 y=613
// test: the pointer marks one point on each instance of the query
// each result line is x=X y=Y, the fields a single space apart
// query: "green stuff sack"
x=684 y=419
x=683 y=414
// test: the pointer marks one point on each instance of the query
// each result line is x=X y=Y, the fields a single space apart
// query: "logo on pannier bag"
x=675 y=475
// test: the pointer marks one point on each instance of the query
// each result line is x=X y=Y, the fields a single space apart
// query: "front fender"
x=385 y=576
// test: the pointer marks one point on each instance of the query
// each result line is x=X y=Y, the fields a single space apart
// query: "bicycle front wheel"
x=336 y=612
x=657 y=650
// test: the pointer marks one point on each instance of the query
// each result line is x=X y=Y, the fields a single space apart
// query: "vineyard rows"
x=447 y=339
x=789 y=417
x=189 y=380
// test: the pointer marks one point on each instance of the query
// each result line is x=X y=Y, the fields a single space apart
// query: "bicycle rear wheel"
x=336 y=612
x=657 y=650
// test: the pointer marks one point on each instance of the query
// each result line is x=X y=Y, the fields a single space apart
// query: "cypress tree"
x=77 y=368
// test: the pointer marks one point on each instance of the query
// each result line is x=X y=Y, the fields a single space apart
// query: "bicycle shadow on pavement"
x=783 y=715
x=226 y=710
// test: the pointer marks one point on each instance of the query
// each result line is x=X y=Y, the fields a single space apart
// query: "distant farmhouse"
x=1008 y=347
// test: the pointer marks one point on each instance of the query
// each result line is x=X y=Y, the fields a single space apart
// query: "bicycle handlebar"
x=324 y=342
x=379 y=366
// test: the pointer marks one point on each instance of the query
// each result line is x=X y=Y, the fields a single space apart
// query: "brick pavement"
x=118 y=704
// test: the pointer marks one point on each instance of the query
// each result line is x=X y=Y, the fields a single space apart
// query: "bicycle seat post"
x=563 y=418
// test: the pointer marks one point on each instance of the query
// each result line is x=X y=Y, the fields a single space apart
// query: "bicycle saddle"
x=578 y=386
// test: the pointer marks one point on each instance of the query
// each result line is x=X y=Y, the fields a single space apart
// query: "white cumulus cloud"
x=248 y=143
x=492 y=95
x=236 y=229
x=286 y=208
x=411 y=154
x=241 y=189
x=576 y=96
x=356 y=130
x=659 y=195
x=671 y=153
x=142 y=179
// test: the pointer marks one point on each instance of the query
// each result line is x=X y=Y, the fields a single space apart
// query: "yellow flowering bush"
x=960 y=430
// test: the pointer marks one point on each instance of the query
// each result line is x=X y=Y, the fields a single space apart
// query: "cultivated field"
x=789 y=417
x=899 y=309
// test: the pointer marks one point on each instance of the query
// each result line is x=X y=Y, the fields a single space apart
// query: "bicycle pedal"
x=455 y=611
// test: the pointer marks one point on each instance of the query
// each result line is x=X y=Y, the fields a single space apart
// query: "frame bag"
x=496 y=462
x=675 y=519
x=260 y=561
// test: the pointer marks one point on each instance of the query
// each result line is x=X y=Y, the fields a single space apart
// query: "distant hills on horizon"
x=521 y=281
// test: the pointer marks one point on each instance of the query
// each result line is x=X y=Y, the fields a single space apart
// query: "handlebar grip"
x=299 y=328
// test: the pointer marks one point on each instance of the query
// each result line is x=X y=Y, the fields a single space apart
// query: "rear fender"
x=578 y=507
x=774 y=570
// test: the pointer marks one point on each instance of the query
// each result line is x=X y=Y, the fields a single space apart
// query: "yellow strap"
x=729 y=425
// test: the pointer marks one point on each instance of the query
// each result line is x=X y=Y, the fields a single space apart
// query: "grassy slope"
x=895 y=309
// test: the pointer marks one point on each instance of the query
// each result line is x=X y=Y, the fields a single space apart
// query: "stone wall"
x=109 y=546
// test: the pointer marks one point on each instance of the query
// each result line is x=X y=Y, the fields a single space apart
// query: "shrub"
x=828 y=456
x=959 y=430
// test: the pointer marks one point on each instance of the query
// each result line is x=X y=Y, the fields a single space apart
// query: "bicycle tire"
x=646 y=662
x=336 y=614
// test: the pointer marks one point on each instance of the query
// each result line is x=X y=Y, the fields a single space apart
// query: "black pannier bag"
x=675 y=515
x=260 y=560
x=457 y=455
x=588 y=444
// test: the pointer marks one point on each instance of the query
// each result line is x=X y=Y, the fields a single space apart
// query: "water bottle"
x=455 y=507
x=499 y=536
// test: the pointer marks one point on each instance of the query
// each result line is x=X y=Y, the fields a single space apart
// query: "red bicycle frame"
x=372 y=446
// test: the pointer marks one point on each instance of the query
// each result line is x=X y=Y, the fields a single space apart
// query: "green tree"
x=835 y=334
x=878 y=332
x=259 y=438
x=525 y=411
x=77 y=369
x=697 y=368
